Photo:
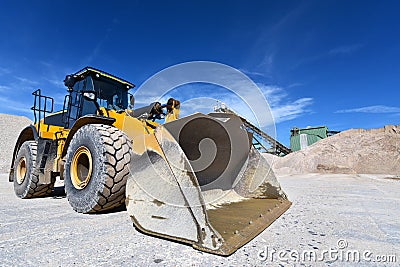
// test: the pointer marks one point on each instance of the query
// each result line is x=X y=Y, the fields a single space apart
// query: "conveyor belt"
x=276 y=147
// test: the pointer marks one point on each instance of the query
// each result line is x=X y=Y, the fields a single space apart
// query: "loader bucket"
x=198 y=180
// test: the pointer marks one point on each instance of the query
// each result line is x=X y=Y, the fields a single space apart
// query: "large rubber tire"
x=26 y=178
x=110 y=152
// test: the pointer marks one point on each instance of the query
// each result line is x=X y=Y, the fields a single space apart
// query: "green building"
x=301 y=138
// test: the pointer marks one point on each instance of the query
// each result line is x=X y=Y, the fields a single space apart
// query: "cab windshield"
x=110 y=94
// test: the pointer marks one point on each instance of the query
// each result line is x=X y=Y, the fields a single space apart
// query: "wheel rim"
x=81 y=168
x=21 y=170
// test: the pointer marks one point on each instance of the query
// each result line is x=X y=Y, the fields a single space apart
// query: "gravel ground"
x=330 y=212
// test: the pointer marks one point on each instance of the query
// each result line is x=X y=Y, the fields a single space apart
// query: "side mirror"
x=90 y=95
x=131 y=101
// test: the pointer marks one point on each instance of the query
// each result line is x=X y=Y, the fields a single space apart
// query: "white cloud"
x=371 y=109
x=253 y=73
x=25 y=81
x=46 y=64
x=57 y=83
x=284 y=109
x=4 y=88
x=294 y=85
x=199 y=104
x=291 y=110
x=345 y=49
x=4 y=71
x=340 y=50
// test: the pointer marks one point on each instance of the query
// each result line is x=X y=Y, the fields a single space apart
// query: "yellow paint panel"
x=131 y=126
x=48 y=131
x=146 y=142
x=173 y=115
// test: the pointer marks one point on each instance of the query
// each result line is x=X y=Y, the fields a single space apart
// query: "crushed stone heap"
x=374 y=151
x=10 y=127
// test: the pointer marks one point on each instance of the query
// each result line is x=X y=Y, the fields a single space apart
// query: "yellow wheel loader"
x=196 y=180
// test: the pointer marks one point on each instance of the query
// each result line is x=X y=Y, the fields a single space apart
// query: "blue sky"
x=333 y=63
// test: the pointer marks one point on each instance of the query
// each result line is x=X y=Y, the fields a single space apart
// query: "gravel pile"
x=375 y=151
x=10 y=127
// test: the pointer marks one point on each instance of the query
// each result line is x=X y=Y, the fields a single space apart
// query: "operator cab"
x=90 y=89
